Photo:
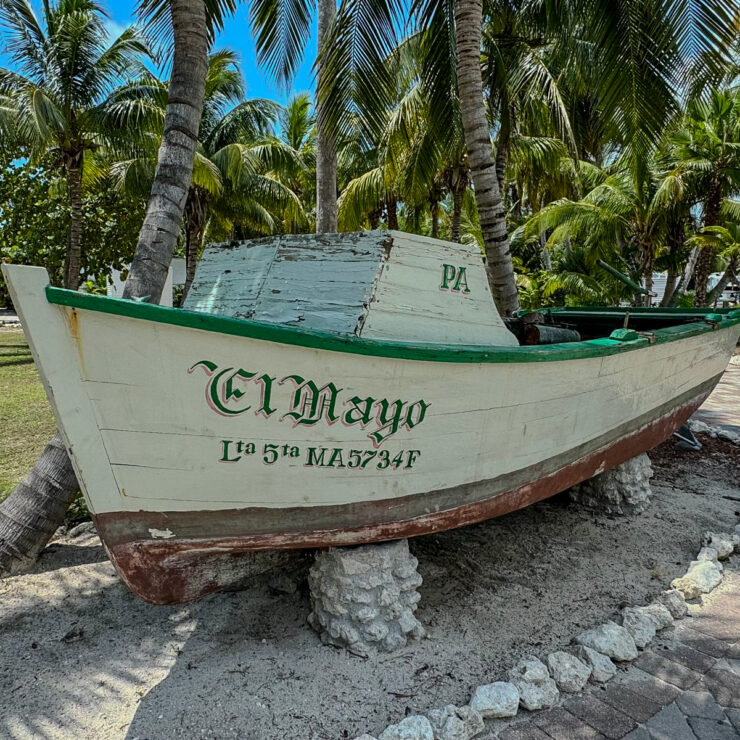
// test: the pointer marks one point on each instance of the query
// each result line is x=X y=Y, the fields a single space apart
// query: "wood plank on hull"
x=318 y=516
x=169 y=572
x=536 y=429
x=159 y=348
x=55 y=335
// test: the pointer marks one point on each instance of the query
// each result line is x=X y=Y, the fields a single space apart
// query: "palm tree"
x=415 y=157
x=326 y=144
x=724 y=241
x=55 y=101
x=231 y=181
x=707 y=153
x=192 y=28
x=296 y=136
x=282 y=29
x=638 y=50
x=35 y=508
x=523 y=58
x=614 y=221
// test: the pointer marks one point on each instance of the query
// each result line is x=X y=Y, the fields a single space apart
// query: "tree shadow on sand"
x=77 y=651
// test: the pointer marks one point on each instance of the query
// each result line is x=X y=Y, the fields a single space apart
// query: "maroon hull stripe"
x=212 y=546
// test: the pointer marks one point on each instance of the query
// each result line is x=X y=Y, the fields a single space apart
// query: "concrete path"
x=8 y=318
x=686 y=686
x=722 y=408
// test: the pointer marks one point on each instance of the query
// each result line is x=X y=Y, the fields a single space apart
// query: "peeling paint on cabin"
x=376 y=284
x=315 y=282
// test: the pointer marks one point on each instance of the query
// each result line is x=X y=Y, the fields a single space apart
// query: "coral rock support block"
x=363 y=598
x=622 y=490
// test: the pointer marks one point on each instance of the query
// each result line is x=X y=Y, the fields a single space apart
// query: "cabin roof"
x=375 y=284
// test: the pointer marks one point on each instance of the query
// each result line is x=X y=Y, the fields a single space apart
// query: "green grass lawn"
x=26 y=421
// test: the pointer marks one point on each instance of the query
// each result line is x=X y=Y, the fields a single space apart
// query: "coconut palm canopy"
x=54 y=101
x=613 y=128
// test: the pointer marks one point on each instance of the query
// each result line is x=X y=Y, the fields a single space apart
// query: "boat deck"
x=593 y=322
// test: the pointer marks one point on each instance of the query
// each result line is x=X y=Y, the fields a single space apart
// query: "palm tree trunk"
x=706 y=255
x=670 y=288
x=434 y=210
x=647 y=272
x=502 y=153
x=73 y=263
x=545 y=252
x=194 y=223
x=30 y=515
x=468 y=21
x=516 y=199
x=391 y=208
x=729 y=274
x=36 y=507
x=546 y=258
x=174 y=172
x=326 y=152
x=457 y=202
x=193 y=242
x=688 y=273
x=703 y=270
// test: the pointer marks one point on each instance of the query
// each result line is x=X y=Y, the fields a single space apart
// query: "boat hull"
x=206 y=562
x=198 y=441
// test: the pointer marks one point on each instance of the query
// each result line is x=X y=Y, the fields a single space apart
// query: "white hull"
x=170 y=425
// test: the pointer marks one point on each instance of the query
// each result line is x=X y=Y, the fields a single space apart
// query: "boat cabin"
x=384 y=285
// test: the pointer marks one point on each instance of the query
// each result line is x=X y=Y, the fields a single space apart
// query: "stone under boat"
x=342 y=389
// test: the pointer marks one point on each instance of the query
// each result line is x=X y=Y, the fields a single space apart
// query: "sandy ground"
x=80 y=657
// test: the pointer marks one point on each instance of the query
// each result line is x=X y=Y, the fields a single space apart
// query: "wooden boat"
x=200 y=437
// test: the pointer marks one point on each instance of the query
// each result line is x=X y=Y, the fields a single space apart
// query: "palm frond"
x=282 y=29
x=361 y=196
x=357 y=84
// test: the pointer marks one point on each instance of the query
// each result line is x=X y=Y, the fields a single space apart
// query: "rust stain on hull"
x=176 y=571
x=73 y=322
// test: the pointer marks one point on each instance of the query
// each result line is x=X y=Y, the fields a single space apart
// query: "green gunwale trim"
x=373 y=347
x=634 y=310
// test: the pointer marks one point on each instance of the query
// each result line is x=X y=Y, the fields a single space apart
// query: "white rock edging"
x=499 y=699
x=602 y=667
x=643 y=622
x=531 y=686
x=702 y=577
x=639 y=625
x=455 y=723
x=609 y=639
x=722 y=544
x=569 y=673
x=536 y=689
x=699 y=427
x=415 y=727
x=675 y=602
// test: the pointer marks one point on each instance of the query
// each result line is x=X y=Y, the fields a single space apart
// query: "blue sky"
x=236 y=35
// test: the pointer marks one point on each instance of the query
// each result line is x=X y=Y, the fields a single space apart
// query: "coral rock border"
x=535 y=685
